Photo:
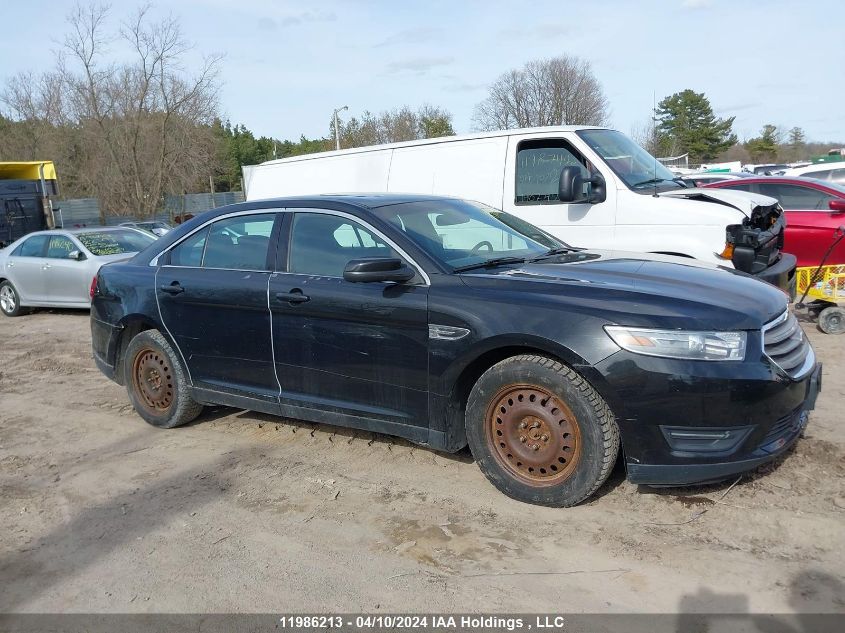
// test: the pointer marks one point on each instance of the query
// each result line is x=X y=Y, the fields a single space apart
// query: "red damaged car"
x=814 y=210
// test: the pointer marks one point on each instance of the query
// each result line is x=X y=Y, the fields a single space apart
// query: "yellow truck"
x=27 y=192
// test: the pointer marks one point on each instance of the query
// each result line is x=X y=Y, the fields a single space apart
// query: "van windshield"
x=636 y=167
x=460 y=233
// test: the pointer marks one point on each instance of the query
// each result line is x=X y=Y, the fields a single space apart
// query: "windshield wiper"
x=650 y=181
x=657 y=181
x=560 y=250
x=490 y=263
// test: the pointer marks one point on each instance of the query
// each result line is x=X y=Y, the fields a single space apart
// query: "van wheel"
x=156 y=383
x=540 y=432
x=10 y=300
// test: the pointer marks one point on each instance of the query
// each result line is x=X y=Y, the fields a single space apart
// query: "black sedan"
x=449 y=323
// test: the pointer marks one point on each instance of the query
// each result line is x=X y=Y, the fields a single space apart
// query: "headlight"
x=680 y=344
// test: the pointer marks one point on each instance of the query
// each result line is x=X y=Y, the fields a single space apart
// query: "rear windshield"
x=115 y=242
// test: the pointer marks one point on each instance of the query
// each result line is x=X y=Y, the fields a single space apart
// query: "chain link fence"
x=80 y=212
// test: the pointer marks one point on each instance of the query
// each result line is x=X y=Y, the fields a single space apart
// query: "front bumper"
x=752 y=401
x=781 y=274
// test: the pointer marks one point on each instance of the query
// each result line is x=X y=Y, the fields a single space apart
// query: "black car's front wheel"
x=156 y=383
x=540 y=432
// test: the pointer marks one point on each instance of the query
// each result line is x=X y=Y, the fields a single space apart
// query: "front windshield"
x=459 y=233
x=639 y=169
x=115 y=242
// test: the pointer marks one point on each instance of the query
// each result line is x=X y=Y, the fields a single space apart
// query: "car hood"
x=742 y=200
x=630 y=289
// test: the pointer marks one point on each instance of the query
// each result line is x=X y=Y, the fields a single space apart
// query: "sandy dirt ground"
x=248 y=513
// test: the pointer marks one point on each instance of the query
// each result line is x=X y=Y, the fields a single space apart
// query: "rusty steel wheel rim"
x=533 y=434
x=152 y=379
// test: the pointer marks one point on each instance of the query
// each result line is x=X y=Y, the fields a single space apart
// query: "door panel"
x=218 y=316
x=810 y=233
x=221 y=324
x=810 y=224
x=358 y=349
x=66 y=280
x=27 y=269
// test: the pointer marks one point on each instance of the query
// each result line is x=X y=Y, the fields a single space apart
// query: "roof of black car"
x=370 y=200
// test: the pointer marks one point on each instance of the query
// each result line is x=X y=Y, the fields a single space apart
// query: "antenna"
x=654 y=135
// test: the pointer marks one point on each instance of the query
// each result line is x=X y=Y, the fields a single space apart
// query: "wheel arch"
x=462 y=378
x=129 y=327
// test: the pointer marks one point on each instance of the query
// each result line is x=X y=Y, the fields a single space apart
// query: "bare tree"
x=394 y=126
x=556 y=91
x=127 y=132
x=645 y=135
x=141 y=120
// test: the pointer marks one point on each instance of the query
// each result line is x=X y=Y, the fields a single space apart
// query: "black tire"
x=10 y=300
x=156 y=382
x=832 y=320
x=569 y=442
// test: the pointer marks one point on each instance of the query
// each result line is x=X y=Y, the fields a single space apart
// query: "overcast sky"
x=288 y=64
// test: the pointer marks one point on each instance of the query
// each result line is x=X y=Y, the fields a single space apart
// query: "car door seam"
x=273 y=338
x=169 y=333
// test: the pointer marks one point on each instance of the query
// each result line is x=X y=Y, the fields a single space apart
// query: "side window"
x=189 y=252
x=741 y=186
x=33 y=247
x=60 y=246
x=538 y=165
x=795 y=198
x=239 y=243
x=323 y=244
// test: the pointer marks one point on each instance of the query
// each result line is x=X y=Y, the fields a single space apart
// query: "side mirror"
x=76 y=255
x=571 y=187
x=370 y=269
x=837 y=205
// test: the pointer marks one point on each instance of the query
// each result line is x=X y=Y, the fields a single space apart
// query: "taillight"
x=93 y=289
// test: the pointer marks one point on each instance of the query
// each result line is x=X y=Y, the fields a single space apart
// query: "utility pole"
x=337 y=126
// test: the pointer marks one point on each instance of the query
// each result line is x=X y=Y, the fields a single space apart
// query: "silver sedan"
x=55 y=268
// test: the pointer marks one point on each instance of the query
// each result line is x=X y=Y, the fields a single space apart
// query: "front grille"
x=785 y=344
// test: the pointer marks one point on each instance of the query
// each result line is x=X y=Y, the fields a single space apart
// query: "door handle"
x=45 y=267
x=294 y=296
x=173 y=289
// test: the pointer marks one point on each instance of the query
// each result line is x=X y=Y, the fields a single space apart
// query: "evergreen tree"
x=686 y=124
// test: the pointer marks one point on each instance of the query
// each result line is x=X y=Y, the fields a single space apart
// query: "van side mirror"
x=370 y=269
x=571 y=187
x=837 y=205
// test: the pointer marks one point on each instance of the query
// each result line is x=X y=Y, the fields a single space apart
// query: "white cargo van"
x=588 y=186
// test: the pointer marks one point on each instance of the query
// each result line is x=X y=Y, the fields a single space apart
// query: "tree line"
x=129 y=132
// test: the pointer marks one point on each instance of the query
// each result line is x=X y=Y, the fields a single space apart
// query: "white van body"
x=486 y=167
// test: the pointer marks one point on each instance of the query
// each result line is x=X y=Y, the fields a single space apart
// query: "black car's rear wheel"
x=156 y=383
x=540 y=432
